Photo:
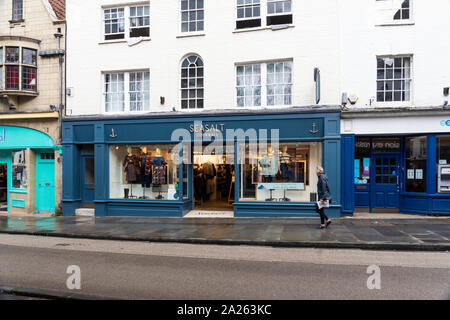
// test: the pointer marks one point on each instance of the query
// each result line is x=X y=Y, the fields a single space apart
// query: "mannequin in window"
x=129 y=165
x=285 y=160
x=145 y=168
x=159 y=166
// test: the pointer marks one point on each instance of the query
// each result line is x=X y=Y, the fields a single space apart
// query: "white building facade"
x=138 y=71
x=395 y=126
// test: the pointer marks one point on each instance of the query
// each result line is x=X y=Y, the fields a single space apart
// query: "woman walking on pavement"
x=323 y=191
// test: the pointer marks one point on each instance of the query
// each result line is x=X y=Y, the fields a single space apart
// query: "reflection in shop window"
x=416 y=164
x=19 y=170
x=143 y=172
x=284 y=175
x=362 y=161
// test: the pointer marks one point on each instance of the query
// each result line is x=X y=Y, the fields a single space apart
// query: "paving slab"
x=431 y=234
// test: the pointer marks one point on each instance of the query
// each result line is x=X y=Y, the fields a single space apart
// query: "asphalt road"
x=138 y=270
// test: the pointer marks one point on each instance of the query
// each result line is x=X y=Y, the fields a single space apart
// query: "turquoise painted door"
x=45 y=182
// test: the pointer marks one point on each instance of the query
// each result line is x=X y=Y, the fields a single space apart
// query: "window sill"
x=191 y=34
x=125 y=113
x=399 y=104
x=16 y=22
x=18 y=191
x=273 y=28
x=394 y=23
x=130 y=41
x=9 y=92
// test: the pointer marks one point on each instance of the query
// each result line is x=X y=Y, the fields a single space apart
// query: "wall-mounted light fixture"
x=163 y=100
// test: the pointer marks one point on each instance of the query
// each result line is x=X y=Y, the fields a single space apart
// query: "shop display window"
x=416 y=164
x=144 y=172
x=19 y=170
x=362 y=161
x=443 y=164
x=281 y=173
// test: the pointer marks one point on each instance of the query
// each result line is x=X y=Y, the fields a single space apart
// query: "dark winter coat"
x=323 y=190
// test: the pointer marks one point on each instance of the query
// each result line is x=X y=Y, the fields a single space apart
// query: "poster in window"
x=419 y=174
x=410 y=174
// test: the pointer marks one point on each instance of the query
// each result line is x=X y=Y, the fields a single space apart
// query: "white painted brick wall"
x=313 y=42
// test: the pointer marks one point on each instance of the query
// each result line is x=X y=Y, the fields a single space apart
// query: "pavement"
x=431 y=234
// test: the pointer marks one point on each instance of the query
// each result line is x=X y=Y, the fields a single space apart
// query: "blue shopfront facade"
x=395 y=173
x=91 y=146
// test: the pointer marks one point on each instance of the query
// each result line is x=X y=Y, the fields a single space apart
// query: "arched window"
x=192 y=71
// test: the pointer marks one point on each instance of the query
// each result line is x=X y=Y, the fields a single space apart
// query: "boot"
x=127 y=192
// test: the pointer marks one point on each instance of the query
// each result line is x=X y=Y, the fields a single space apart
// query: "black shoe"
x=322 y=227
x=328 y=223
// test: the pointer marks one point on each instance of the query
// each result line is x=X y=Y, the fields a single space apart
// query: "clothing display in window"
x=146 y=172
x=199 y=185
x=265 y=165
x=209 y=170
x=159 y=170
x=130 y=163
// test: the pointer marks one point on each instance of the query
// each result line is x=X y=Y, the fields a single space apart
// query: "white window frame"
x=278 y=14
x=126 y=92
x=264 y=84
x=387 y=10
x=127 y=23
x=411 y=82
x=137 y=16
x=263 y=15
x=249 y=5
x=22 y=11
x=180 y=20
x=180 y=78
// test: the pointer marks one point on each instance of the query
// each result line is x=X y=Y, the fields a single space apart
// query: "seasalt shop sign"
x=196 y=128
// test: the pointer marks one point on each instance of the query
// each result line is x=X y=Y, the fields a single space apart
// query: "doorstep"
x=209 y=214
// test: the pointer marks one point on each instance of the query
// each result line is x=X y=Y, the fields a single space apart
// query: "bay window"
x=29 y=70
x=18 y=69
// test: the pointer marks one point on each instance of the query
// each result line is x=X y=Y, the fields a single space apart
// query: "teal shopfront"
x=27 y=171
x=124 y=165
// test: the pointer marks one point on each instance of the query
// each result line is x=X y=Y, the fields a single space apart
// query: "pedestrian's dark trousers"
x=321 y=212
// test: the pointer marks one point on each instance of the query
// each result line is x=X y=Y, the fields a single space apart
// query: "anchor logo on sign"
x=314 y=129
x=113 y=134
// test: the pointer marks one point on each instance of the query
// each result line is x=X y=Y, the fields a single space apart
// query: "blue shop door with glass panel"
x=385 y=185
x=88 y=179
